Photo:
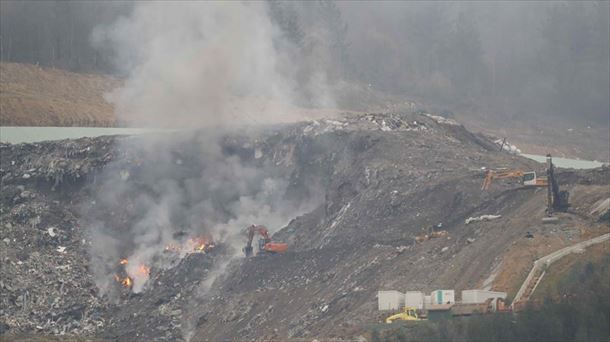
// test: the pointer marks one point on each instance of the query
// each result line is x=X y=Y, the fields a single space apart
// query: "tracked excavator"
x=557 y=200
x=265 y=245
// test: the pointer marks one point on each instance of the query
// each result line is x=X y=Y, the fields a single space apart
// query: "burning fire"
x=200 y=244
x=144 y=270
x=127 y=281
x=197 y=244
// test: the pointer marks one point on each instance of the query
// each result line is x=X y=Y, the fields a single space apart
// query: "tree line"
x=513 y=59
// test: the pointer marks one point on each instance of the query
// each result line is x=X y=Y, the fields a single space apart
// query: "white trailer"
x=480 y=296
x=443 y=297
x=414 y=299
x=390 y=300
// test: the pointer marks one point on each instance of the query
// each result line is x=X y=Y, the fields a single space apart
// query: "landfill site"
x=369 y=204
x=304 y=171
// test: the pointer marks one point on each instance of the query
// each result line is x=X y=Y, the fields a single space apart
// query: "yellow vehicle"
x=408 y=314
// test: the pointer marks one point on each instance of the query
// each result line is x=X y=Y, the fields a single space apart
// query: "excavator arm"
x=527 y=178
x=490 y=175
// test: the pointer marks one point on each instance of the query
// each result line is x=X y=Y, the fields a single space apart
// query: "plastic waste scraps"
x=482 y=218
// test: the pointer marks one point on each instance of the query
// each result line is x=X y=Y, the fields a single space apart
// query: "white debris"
x=506 y=146
x=61 y=249
x=482 y=218
x=444 y=249
x=601 y=206
x=442 y=120
x=51 y=231
x=324 y=308
x=26 y=176
x=401 y=249
x=258 y=153
x=384 y=126
x=124 y=175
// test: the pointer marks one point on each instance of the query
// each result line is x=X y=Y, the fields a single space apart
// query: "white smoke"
x=198 y=63
x=194 y=65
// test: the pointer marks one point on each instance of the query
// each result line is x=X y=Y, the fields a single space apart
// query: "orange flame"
x=200 y=243
x=123 y=262
x=144 y=270
x=127 y=282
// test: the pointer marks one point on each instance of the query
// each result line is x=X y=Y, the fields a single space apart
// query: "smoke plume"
x=189 y=65
x=199 y=63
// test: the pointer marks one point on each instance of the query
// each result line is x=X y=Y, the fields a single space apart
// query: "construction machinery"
x=431 y=233
x=265 y=245
x=527 y=178
x=557 y=200
x=409 y=313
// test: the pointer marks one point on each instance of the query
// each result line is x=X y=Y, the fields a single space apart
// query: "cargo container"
x=414 y=299
x=443 y=297
x=390 y=300
x=427 y=301
x=480 y=296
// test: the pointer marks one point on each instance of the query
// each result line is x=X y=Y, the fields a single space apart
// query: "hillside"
x=348 y=195
x=37 y=96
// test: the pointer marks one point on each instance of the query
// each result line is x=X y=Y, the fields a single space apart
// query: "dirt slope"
x=37 y=96
x=381 y=179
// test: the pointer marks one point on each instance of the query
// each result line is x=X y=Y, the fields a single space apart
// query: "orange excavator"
x=527 y=178
x=265 y=245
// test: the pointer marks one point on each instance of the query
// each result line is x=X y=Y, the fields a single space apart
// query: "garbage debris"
x=506 y=146
x=384 y=178
x=482 y=218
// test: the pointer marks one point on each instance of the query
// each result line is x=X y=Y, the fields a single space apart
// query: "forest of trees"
x=512 y=58
x=57 y=33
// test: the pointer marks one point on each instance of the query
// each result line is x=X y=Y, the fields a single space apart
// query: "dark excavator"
x=265 y=245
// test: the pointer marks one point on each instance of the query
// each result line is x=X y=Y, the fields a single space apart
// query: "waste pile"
x=46 y=286
x=349 y=196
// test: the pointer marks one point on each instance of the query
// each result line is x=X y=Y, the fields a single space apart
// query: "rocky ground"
x=364 y=187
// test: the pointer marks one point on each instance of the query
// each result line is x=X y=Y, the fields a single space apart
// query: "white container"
x=427 y=301
x=414 y=299
x=390 y=300
x=480 y=296
x=442 y=297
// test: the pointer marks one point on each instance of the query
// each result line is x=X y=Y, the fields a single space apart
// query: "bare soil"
x=37 y=96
